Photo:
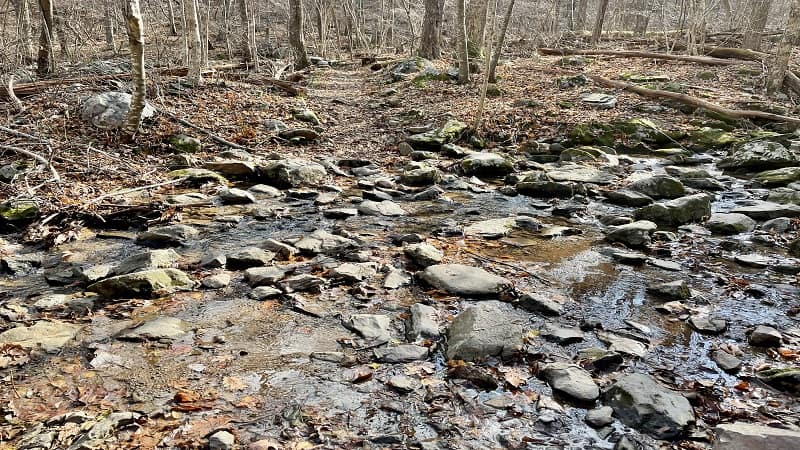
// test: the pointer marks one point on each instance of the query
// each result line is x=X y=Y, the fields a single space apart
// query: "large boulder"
x=420 y=174
x=490 y=328
x=659 y=186
x=108 y=110
x=489 y=165
x=413 y=66
x=748 y=436
x=640 y=402
x=760 y=155
x=680 y=211
x=142 y=284
x=463 y=280
x=285 y=173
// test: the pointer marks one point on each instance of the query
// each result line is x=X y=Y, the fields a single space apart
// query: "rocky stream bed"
x=548 y=296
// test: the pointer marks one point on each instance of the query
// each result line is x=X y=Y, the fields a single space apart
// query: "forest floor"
x=329 y=349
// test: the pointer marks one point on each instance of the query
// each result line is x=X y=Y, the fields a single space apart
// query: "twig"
x=40 y=158
x=140 y=188
x=210 y=134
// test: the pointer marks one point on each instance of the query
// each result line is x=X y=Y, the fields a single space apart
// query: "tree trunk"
x=45 y=61
x=109 y=25
x=696 y=33
x=461 y=39
x=790 y=38
x=598 y=23
x=193 y=44
x=173 y=29
x=296 y=34
x=580 y=14
x=758 y=15
x=431 y=41
x=59 y=23
x=476 y=14
x=247 y=40
x=24 y=28
x=133 y=20
x=501 y=39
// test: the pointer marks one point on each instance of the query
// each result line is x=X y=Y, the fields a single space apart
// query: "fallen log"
x=286 y=86
x=26 y=89
x=693 y=101
x=792 y=82
x=639 y=54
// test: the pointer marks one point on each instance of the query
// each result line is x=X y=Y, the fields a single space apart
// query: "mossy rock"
x=779 y=177
x=592 y=134
x=707 y=75
x=198 y=176
x=713 y=138
x=19 y=210
x=182 y=143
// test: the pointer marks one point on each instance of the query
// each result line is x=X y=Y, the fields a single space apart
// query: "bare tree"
x=109 y=24
x=296 y=34
x=477 y=11
x=598 y=23
x=791 y=37
x=45 y=60
x=133 y=20
x=193 y=44
x=758 y=13
x=431 y=43
x=579 y=22
x=173 y=29
x=461 y=39
x=696 y=33
x=23 y=11
x=501 y=39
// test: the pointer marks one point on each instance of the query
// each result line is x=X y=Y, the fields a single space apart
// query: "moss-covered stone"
x=142 y=284
x=198 y=176
x=182 y=143
x=712 y=138
x=19 y=210
x=779 y=177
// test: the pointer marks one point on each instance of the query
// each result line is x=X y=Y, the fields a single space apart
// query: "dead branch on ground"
x=651 y=55
x=37 y=157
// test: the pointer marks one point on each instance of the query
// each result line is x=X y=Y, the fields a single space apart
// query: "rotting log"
x=650 y=55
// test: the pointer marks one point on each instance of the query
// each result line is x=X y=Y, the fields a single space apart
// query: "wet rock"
x=423 y=254
x=547 y=189
x=463 y=280
x=221 y=440
x=264 y=276
x=680 y=211
x=778 y=225
x=422 y=322
x=725 y=361
x=143 y=284
x=760 y=155
x=108 y=110
x=234 y=196
x=301 y=283
x=784 y=195
x=678 y=289
x=599 y=417
x=402 y=353
x=492 y=228
x=182 y=143
x=354 y=272
x=636 y=234
x=784 y=379
x=285 y=173
x=161 y=328
x=213 y=260
x=490 y=328
x=571 y=380
x=747 y=436
x=764 y=336
x=778 y=177
x=753 y=260
x=732 y=223
x=372 y=327
x=706 y=325
x=167 y=236
x=248 y=257
x=431 y=193
x=665 y=265
x=578 y=173
x=420 y=174
x=540 y=304
x=217 y=281
x=148 y=260
x=684 y=173
x=627 y=197
x=339 y=213
x=624 y=345
x=768 y=210
x=396 y=278
x=265 y=292
x=640 y=402
x=50 y=336
x=562 y=335
x=631 y=258
x=599 y=359
x=658 y=186
x=384 y=208
x=321 y=241
x=488 y=165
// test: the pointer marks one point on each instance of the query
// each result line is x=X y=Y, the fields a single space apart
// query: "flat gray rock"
x=50 y=336
x=463 y=280
x=161 y=328
x=490 y=328
x=571 y=380
x=748 y=436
